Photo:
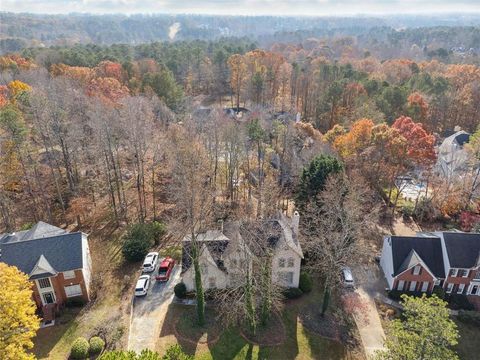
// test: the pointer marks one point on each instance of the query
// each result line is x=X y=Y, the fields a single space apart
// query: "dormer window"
x=453 y=272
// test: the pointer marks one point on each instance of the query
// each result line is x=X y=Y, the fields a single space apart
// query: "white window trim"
x=460 y=289
x=414 y=283
x=70 y=274
x=447 y=290
x=400 y=288
x=455 y=272
x=425 y=286
x=80 y=293
x=417 y=269
x=46 y=292
x=44 y=289
x=467 y=272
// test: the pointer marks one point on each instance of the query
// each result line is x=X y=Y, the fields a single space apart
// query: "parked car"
x=143 y=283
x=150 y=262
x=347 y=277
x=165 y=269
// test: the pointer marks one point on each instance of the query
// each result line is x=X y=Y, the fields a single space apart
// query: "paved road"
x=369 y=325
x=149 y=313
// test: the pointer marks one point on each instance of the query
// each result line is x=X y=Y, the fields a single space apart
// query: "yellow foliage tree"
x=18 y=322
x=16 y=87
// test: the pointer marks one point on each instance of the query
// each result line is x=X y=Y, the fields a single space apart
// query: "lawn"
x=300 y=343
x=469 y=344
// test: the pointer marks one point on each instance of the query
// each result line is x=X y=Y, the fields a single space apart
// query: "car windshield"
x=162 y=270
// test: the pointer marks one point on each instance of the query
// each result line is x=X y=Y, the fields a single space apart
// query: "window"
x=204 y=269
x=400 y=285
x=449 y=288
x=281 y=262
x=413 y=286
x=69 y=274
x=417 y=270
x=44 y=283
x=461 y=287
x=73 y=290
x=425 y=286
x=437 y=282
x=462 y=273
x=211 y=282
x=291 y=262
x=453 y=272
x=286 y=277
x=477 y=275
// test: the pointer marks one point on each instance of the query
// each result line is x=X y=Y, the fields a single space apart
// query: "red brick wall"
x=408 y=277
x=460 y=280
x=58 y=284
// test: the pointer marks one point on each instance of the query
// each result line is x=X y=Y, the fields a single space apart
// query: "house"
x=450 y=259
x=453 y=158
x=226 y=254
x=56 y=261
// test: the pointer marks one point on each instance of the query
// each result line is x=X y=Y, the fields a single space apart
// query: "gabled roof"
x=214 y=240
x=42 y=269
x=463 y=249
x=410 y=250
x=42 y=248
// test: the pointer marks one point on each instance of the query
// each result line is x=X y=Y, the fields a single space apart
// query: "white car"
x=150 y=262
x=143 y=283
x=347 y=278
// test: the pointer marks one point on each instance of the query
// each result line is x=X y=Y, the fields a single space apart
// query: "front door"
x=48 y=298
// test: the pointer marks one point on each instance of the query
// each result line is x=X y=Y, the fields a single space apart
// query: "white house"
x=453 y=158
x=226 y=254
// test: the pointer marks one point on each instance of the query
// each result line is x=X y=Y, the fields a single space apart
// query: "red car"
x=165 y=269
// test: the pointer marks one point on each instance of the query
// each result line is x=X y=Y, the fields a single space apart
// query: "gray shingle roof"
x=463 y=249
x=429 y=249
x=63 y=252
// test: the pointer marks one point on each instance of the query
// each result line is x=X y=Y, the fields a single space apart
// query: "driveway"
x=149 y=312
x=369 y=285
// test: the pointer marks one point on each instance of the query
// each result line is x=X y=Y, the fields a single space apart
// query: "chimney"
x=295 y=223
x=221 y=225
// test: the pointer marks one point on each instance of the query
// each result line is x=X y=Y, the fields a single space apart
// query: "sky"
x=243 y=7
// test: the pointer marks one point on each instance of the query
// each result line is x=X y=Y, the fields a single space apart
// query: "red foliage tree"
x=420 y=144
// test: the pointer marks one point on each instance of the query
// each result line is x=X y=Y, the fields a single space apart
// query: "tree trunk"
x=198 y=286
x=326 y=299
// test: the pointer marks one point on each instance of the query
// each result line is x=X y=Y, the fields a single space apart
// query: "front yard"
x=291 y=338
x=108 y=312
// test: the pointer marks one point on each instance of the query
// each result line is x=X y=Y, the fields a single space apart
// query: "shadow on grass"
x=65 y=326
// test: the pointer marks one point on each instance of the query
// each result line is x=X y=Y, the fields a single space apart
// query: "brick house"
x=57 y=262
x=447 y=259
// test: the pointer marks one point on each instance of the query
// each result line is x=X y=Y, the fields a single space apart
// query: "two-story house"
x=450 y=259
x=226 y=254
x=57 y=263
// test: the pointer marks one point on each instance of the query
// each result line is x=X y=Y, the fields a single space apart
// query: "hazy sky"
x=247 y=7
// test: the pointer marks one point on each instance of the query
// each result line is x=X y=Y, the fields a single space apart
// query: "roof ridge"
x=42 y=238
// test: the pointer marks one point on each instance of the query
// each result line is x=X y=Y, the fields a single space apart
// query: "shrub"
x=96 y=345
x=306 y=282
x=469 y=317
x=439 y=291
x=79 y=349
x=460 y=302
x=75 y=302
x=292 y=293
x=175 y=352
x=139 y=238
x=180 y=290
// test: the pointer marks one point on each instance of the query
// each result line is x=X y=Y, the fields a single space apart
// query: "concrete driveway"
x=149 y=312
x=369 y=284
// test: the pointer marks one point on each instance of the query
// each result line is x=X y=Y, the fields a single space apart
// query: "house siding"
x=408 y=277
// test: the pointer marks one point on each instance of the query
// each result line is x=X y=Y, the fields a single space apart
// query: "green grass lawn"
x=300 y=342
x=469 y=344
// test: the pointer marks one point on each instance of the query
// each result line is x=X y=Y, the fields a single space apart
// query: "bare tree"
x=333 y=228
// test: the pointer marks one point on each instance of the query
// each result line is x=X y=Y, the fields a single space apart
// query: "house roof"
x=463 y=249
x=214 y=240
x=39 y=254
x=409 y=250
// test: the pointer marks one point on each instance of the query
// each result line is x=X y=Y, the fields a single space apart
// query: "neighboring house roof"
x=407 y=251
x=451 y=153
x=43 y=250
x=463 y=249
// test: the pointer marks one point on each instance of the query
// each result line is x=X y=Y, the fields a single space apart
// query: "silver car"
x=347 y=277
